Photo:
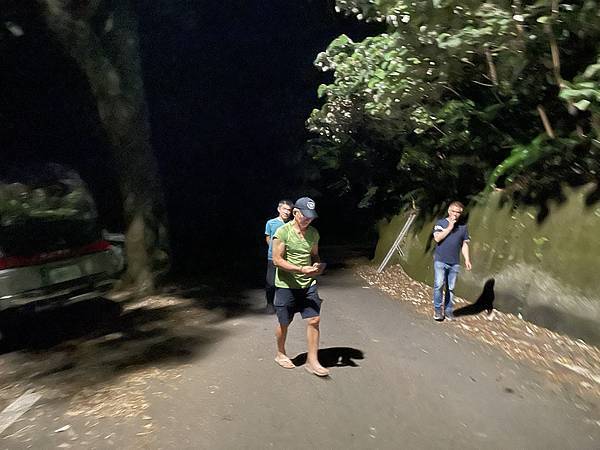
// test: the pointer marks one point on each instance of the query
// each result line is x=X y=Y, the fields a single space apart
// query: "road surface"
x=398 y=380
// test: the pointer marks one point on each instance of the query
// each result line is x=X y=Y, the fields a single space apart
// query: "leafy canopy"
x=456 y=97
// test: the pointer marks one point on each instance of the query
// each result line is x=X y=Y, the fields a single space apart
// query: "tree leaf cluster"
x=458 y=97
x=64 y=197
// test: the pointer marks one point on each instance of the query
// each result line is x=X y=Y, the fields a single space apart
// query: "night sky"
x=229 y=86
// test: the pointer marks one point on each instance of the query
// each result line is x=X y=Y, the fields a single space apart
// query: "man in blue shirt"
x=452 y=239
x=284 y=208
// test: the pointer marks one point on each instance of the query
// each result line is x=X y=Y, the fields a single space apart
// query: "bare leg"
x=312 y=337
x=281 y=335
x=281 y=358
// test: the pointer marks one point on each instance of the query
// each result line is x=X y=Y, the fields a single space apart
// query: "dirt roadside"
x=565 y=362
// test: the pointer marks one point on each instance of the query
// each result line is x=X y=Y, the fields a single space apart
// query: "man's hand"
x=309 y=270
x=468 y=264
x=320 y=267
x=439 y=236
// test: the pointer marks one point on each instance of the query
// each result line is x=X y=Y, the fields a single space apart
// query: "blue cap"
x=307 y=207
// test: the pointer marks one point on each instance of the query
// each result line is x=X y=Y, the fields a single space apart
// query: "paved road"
x=398 y=380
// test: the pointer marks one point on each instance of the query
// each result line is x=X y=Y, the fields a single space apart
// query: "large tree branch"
x=491 y=66
x=553 y=44
x=546 y=122
x=111 y=63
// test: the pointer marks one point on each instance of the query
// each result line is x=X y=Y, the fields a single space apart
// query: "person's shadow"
x=485 y=302
x=333 y=357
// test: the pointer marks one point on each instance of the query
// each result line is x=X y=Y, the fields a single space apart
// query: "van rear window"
x=45 y=208
x=48 y=193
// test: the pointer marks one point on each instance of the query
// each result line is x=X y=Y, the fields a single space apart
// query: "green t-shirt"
x=297 y=252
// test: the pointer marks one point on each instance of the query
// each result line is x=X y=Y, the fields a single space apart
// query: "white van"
x=51 y=249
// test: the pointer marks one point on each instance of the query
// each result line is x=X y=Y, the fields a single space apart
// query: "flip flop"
x=284 y=362
x=322 y=372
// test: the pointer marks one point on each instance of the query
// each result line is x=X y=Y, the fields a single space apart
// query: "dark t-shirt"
x=448 y=250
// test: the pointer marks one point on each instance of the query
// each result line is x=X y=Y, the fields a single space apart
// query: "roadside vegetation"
x=456 y=98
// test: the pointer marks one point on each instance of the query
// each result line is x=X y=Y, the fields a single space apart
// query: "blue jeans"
x=444 y=274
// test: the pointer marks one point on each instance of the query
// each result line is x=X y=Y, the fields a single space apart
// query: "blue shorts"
x=291 y=301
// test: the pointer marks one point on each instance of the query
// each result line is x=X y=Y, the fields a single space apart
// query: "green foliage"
x=523 y=156
x=450 y=98
x=64 y=199
x=584 y=91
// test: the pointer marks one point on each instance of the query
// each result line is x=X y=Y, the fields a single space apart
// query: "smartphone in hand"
x=321 y=266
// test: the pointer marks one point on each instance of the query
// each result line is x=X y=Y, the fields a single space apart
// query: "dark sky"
x=229 y=86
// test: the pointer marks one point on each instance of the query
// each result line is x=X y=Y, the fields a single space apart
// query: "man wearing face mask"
x=452 y=239
x=296 y=257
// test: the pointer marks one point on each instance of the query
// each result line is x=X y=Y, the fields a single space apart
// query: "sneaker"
x=437 y=315
x=449 y=315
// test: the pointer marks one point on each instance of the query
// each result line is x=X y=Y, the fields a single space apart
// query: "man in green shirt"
x=296 y=257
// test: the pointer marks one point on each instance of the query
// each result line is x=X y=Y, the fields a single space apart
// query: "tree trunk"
x=102 y=38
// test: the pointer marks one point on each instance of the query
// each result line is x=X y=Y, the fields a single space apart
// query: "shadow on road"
x=28 y=329
x=94 y=341
x=485 y=302
x=333 y=357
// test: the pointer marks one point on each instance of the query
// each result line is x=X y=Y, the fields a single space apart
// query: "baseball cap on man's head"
x=307 y=207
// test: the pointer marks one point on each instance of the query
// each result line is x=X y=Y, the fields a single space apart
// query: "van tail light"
x=11 y=262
